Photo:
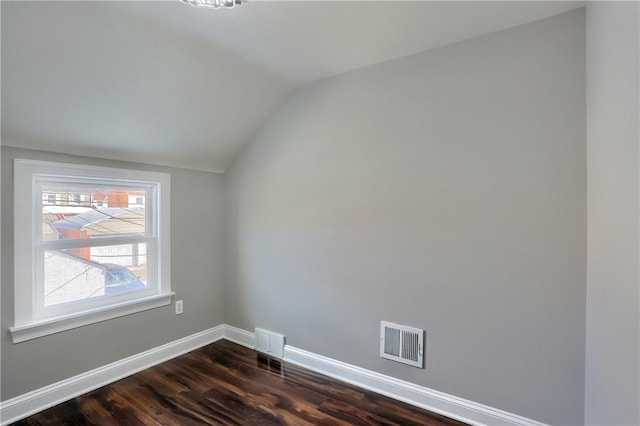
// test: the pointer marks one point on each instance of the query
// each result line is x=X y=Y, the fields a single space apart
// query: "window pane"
x=88 y=272
x=78 y=211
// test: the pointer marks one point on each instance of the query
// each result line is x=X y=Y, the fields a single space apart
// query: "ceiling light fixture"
x=213 y=4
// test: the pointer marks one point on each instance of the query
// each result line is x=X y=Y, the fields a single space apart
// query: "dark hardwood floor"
x=224 y=384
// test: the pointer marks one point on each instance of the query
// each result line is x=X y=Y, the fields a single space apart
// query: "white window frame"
x=32 y=320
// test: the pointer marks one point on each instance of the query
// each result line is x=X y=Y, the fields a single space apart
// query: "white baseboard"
x=30 y=403
x=457 y=408
x=240 y=336
x=420 y=396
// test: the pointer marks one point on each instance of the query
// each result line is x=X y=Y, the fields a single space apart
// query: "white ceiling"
x=165 y=83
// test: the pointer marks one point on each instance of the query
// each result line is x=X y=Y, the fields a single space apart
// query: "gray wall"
x=445 y=190
x=197 y=278
x=613 y=294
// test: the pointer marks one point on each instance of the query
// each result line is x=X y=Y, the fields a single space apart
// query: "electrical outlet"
x=179 y=307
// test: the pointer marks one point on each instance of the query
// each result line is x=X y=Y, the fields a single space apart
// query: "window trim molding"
x=26 y=325
x=91 y=316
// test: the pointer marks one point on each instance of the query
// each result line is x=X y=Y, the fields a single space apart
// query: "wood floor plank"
x=351 y=414
x=162 y=381
x=156 y=405
x=96 y=410
x=225 y=384
x=245 y=411
x=117 y=410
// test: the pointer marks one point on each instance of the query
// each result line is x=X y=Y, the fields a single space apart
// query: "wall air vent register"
x=402 y=344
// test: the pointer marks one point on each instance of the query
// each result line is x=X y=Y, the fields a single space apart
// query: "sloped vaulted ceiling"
x=92 y=78
x=164 y=83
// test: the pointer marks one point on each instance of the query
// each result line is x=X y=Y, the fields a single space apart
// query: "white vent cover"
x=402 y=344
x=270 y=343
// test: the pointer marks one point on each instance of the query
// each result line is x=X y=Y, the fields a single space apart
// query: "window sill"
x=55 y=325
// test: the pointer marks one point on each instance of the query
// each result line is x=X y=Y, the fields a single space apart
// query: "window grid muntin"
x=150 y=189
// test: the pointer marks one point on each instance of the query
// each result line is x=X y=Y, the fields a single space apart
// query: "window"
x=92 y=255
